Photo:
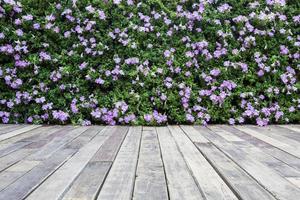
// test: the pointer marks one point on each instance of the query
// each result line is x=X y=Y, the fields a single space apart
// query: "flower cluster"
x=149 y=62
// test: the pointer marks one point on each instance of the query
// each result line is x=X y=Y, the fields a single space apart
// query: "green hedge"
x=149 y=62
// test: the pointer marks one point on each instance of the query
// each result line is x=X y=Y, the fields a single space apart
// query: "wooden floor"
x=173 y=162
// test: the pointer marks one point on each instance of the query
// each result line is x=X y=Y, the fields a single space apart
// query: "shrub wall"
x=149 y=62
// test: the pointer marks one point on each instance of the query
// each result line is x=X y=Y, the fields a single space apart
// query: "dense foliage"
x=150 y=61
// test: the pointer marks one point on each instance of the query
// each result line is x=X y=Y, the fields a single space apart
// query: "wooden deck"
x=141 y=163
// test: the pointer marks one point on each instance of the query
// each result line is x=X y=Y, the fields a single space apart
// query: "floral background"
x=150 y=61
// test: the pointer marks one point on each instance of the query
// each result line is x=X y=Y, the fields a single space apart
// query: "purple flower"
x=55 y=76
x=132 y=61
x=292 y=109
x=47 y=106
x=241 y=120
x=96 y=113
x=27 y=17
x=29 y=119
x=44 y=56
x=101 y=14
x=99 y=81
x=36 y=26
x=224 y=7
x=262 y=122
x=90 y=9
x=74 y=108
x=260 y=73
x=190 y=117
x=278 y=115
x=60 y=115
x=40 y=100
x=148 y=117
x=19 y=32
x=86 y=122
x=284 y=50
x=215 y=72
x=83 y=65
x=167 y=53
x=5 y=120
x=10 y=104
x=21 y=63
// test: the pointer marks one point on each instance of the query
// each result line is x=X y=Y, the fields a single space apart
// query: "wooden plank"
x=225 y=134
x=211 y=184
x=47 y=150
x=120 y=180
x=277 y=185
x=31 y=180
x=13 y=147
x=32 y=135
x=4 y=126
x=243 y=185
x=18 y=132
x=295 y=128
x=15 y=143
x=59 y=131
x=279 y=154
x=194 y=135
x=295 y=181
x=84 y=138
x=255 y=153
x=181 y=184
x=11 y=159
x=289 y=133
x=16 y=171
x=55 y=186
x=148 y=128
x=76 y=144
x=108 y=151
x=40 y=140
x=276 y=143
x=281 y=134
x=9 y=128
x=89 y=182
x=48 y=166
x=150 y=182
x=14 y=157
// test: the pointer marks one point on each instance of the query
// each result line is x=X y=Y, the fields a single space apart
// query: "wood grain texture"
x=109 y=150
x=8 y=128
x=16 y=171
x=181 y=183
x=120 y=180
x=17 y=132
x=31 y=180
x=285 y=135
x=11 y=159
x=211 y=184
x=149 y=163
x=279 y=154
x=88 y=183
x=150 y=182
x=55 y=186
x=268 y=178
x=259 y=155
x=274 y=142
x=243 y=185
x=52 y=146
x=33 y=135
x=34 y=138
x=295 y=128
